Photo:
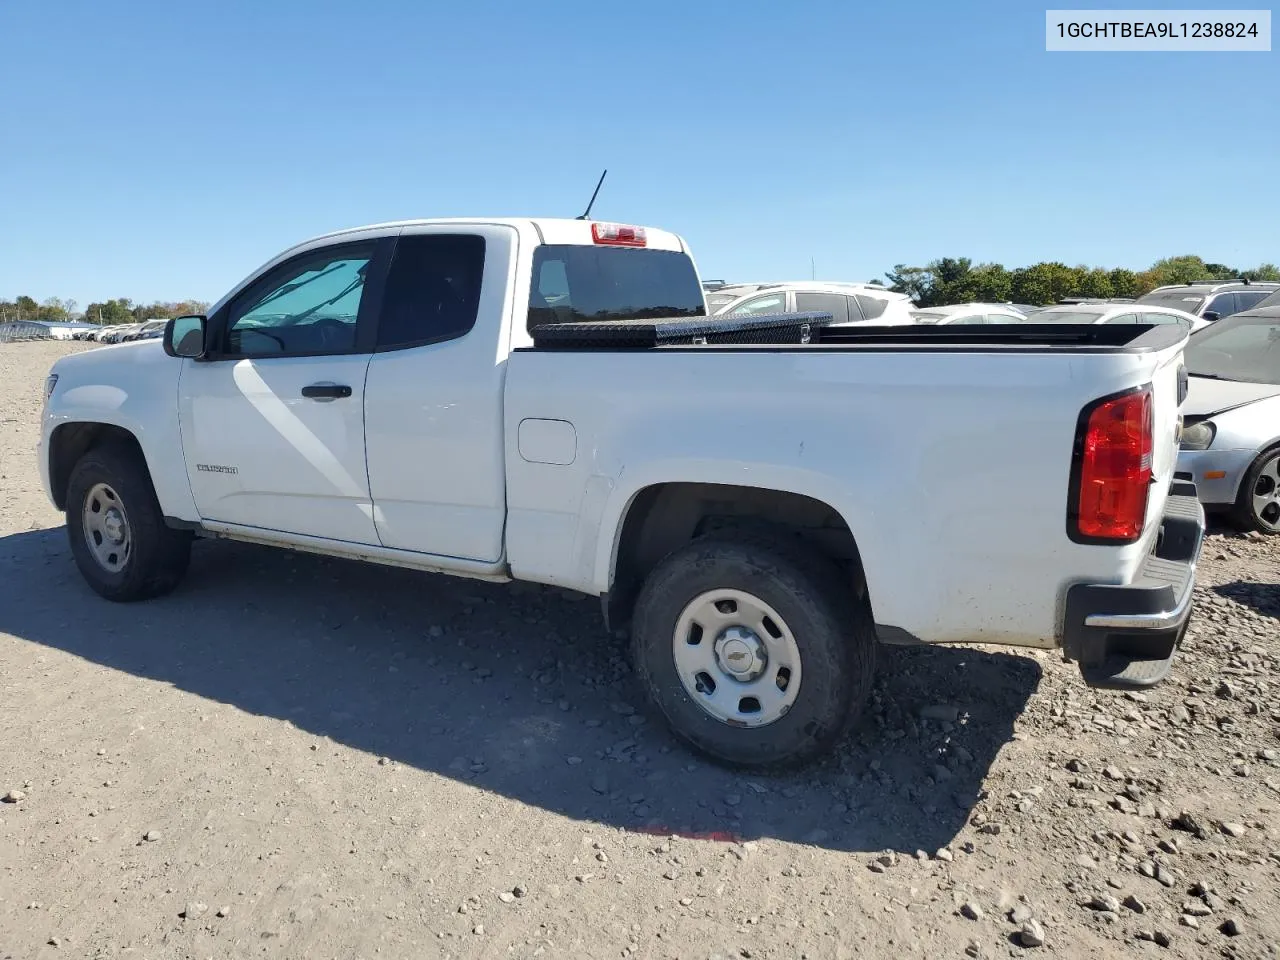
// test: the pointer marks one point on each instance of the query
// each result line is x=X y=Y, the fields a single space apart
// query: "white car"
x=545 y=400
x=1102 y=312
x=967 y=313
x=848 y=303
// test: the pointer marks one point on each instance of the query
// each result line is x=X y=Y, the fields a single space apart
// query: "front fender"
x=132 y=387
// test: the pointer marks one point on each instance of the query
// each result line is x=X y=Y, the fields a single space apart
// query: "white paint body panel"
x=951 y=469
x=299 y=462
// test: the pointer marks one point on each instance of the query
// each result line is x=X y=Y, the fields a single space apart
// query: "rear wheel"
x=1257 y=505
x=117 y=530
x=754 y=651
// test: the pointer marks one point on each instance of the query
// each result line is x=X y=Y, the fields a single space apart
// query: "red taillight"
x=617 y=234
x=1114 y=468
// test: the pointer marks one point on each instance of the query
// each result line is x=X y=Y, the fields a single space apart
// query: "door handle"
x=326 y=391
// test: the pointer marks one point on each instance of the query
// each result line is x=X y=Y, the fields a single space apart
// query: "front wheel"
x=755 y=651
x=117 y=531
x=1257 y=505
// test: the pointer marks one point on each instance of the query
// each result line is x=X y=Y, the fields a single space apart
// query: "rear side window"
x=1248 y=299
x=872 y=307
x=832 y=303
x=1161 y=318
x=578 y=283
x=433 y=290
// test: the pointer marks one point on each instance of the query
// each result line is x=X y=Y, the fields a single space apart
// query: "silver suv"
x=1211 y=299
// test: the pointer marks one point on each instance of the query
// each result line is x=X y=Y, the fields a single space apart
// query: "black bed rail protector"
x=770 y=328
x=1137 y=336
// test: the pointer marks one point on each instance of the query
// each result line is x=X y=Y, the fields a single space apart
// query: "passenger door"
x=434 y=394
x=273 y=420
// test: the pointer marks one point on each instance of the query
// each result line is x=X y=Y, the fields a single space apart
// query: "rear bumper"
x=1125 y=635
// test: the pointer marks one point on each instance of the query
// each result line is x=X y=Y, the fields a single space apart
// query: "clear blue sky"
x=161 y=150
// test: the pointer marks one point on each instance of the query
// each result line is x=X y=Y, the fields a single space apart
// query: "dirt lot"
x=297 y=757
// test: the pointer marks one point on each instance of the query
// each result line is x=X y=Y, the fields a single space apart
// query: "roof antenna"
x=586 y=213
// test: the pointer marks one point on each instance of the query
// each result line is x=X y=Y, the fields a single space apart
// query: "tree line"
x=121 y=310
x=959 y=280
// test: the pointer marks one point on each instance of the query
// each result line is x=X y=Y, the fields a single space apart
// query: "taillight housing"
x=618 y=235
x=1111 y=469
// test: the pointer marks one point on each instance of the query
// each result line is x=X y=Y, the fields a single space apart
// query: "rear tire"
x=117 y=531
x=1257 y=505
x=754 y=650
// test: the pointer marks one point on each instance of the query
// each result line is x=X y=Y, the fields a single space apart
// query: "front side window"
x=306 y=307
x=1224 y=305
x=433 y=289
x=773 y=303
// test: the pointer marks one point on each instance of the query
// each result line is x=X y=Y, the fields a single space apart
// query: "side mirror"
x=185 y=337
x=1211 y=315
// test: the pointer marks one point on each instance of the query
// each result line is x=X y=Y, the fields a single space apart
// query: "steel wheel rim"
x=1266 y=495
x=106 y=528
x=736 y=658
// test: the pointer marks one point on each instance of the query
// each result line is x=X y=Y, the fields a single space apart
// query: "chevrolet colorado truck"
x=545 y=400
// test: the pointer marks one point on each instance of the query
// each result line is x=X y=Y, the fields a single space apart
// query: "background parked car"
x=1102 y=312
x=847 y=302
x=968 y=313
x=1213 y=299
x=118 y=332
x=1230 y=444
x=147 y=331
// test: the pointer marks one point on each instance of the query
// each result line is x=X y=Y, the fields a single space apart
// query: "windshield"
x=1064 y=316
x=580 y=283
x=1237 y=348
x=922 y=317
x=1185 y=300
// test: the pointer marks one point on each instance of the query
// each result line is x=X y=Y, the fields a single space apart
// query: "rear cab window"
x=578 y=283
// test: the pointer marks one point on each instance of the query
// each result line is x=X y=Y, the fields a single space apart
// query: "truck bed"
x=947 y=452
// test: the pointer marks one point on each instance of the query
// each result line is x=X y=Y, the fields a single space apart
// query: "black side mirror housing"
x=185 y=337
x=1211 y=315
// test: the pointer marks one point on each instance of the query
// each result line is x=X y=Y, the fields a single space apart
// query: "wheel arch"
x=662 y=516
x=72 y=440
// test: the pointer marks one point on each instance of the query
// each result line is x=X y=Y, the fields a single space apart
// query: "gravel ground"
x=294 y=756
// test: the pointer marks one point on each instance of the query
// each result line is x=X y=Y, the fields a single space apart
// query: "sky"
x=163 y=151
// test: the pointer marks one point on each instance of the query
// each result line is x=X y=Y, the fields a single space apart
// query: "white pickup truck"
x=503 y=399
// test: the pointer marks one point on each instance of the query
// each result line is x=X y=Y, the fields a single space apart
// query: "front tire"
x=117 y=531
x=755 y=651
x=1257 y=505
